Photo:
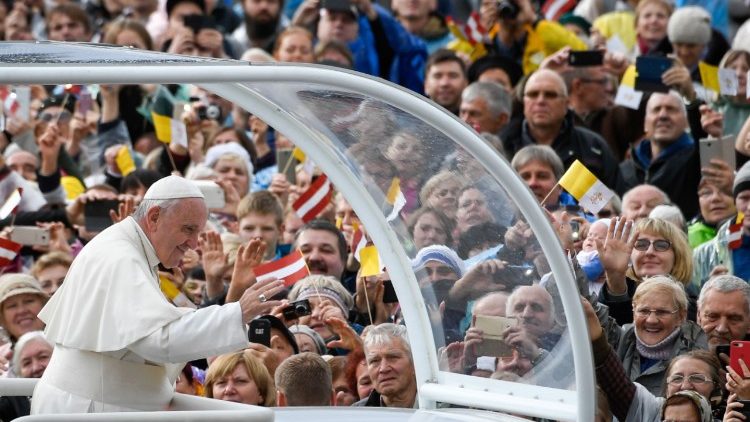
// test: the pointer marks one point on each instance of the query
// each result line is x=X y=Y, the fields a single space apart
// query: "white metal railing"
x=183 y=408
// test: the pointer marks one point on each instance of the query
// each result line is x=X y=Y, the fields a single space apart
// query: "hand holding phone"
x=493 y=328
x=260 y=332
x=30 y=235
x=739 y=350
x=586 y=58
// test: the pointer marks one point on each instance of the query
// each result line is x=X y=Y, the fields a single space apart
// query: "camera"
x=297 y=309
x=507 y=9
x=210 y=112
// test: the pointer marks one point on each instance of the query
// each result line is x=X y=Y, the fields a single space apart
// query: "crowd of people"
x=662 y=268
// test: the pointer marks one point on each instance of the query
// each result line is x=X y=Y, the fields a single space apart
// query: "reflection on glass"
x=494 y=308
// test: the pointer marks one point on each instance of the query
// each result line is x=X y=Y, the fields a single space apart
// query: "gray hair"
x=725 y=284
x=383 y=334
x=146 y=204
x=517 y=292
x=497 y=97
x=672 y=93
x=631 y=191
x=669 y=213
x=21 y=344
x=542 y=153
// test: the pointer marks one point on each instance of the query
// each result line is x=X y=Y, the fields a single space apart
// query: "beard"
x=258 y=29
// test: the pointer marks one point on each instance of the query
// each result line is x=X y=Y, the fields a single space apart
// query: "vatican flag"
x=591 y=194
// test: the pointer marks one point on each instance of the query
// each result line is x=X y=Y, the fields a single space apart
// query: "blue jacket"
x=409 y=51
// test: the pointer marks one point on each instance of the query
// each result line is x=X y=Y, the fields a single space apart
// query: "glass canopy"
x=398 y=159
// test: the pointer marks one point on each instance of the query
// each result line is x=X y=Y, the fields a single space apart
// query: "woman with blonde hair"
x=241 y=378
x=656 y=248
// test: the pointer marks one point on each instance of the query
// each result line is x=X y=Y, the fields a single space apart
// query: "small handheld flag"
x=314 y=199
x=290 y=268
x=735 y=232
x=591 y=194
x=8 y=251
x=396 y=198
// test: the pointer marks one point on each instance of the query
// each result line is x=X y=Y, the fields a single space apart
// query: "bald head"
x=545 y=102
x=638 y=202
x=548 y=76
x=491 y=304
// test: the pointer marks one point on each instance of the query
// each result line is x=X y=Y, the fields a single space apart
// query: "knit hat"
x=579 y=21
x=324 y=293
x=742 y=38
x=690 y=24
x=231 y=148
x=320 y=344
x=741 y=180
x=439 y=253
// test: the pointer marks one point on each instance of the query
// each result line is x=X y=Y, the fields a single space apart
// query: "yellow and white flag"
x=370 y=261
x=590 y=193
x=396 y=198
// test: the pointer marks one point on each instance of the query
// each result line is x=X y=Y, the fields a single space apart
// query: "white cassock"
x=118 y=341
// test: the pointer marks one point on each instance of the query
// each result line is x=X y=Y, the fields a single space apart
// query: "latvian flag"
x=735 y=232
x=554 y=9
x=8 y=251
x=474 y=30
x=291 y=268
x=314 y=200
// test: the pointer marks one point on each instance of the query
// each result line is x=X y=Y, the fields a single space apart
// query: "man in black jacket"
x=547 y=121
x=669 y=158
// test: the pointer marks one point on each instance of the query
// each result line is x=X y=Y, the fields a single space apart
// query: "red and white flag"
x=359 y=241
x=290 y=268
x=314 y=200
x=554 y=9
x=8 y=251
x=11 y=204
x=735 y=232
x=474 y=30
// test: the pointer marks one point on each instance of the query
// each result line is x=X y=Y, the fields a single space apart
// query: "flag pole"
x=171 y=158
x=550 y=193
x=367 y=300
x=288 y=163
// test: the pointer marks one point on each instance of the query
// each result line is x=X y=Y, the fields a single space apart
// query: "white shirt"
x=119 y=342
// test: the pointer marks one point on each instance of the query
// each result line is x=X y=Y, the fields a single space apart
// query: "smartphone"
x=197 y=22
x=389 y=294
x=517 y=275
x=739 y=350
x=723 y=149
x=722 y=349
x=493 y=328
x=260 y=332
x=649 y=70
x=30 y=235
x=586 y=58
x=287 y=164
x=84 y=102
x=297 y=309
x=213 y=194
x=96 y=214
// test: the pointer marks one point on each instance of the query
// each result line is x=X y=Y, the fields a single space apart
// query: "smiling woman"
x=21 y=299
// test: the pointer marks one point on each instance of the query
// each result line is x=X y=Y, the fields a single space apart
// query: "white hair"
x=21 y=344
x=146 y=204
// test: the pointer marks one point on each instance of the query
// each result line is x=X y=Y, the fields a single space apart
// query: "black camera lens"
x=506 y=9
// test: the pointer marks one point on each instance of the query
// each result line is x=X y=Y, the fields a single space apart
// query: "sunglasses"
x=660 y=245
x=62 y=117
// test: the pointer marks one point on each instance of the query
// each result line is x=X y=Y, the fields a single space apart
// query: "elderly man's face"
x=25 y=164
x=640 y=201
x=175 y=230
x=688 y=53
x=724 y=317
x=592 y=89
x=665 y=118
x=478 y=115
x=391 y=368
x=321 y=251
x=337 y=26
x=532 y=305
x=544 y=101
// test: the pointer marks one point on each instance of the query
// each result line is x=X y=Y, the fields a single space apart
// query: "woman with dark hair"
x=428 y=226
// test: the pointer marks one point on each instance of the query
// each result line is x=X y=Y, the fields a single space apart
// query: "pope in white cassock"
x=119 y=344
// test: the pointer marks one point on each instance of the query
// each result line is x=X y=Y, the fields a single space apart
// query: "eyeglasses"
x=660 y=313
x=547 y=95
x=660 y=245
x=600 y=81
x=695 y=379
x=64 y=116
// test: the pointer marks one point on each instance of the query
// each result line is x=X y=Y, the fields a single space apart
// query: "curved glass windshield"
x=494 y=309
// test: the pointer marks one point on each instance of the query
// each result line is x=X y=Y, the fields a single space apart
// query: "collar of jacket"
x=565 y=128
x=643 y=151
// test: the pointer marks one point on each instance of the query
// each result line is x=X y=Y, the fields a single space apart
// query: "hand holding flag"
x=591 y=193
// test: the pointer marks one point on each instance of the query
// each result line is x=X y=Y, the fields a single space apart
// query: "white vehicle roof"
x=325 y=111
